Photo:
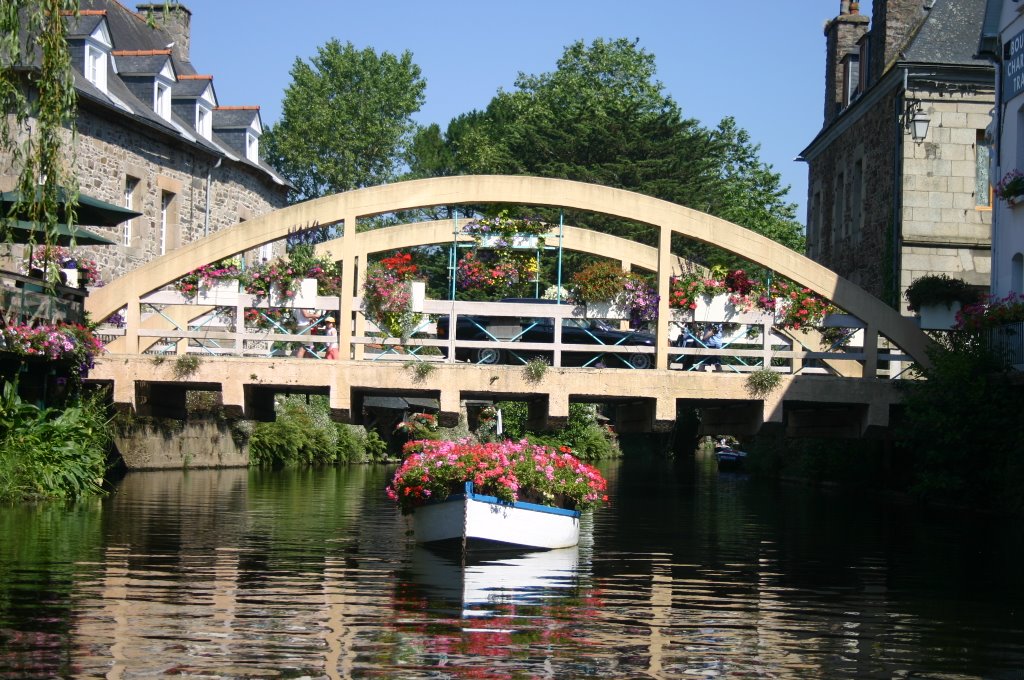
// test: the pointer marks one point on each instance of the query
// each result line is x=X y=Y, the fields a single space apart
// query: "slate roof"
x=949 y=34
x=141 y=50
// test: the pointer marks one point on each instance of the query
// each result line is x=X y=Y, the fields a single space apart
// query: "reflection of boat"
x=729 y=458
x=475 y=521
x=515 y=577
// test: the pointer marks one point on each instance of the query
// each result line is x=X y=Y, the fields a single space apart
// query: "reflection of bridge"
x=853 y=389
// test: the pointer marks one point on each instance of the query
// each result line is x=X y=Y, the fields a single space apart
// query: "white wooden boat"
x=472 y=521
x=729 y=458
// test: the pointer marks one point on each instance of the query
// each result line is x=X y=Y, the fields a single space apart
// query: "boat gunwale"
x=469 y=494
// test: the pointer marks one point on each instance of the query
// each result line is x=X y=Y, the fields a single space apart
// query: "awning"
x=24 y=232
x=89 y=211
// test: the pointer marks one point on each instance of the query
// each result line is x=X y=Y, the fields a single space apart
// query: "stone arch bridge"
x=852 y=397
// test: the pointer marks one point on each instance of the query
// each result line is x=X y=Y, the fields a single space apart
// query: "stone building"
x=152 y=135
x=898 y=176
x=1002 y=42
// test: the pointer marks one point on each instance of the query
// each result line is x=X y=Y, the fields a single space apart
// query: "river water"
x=688 y=573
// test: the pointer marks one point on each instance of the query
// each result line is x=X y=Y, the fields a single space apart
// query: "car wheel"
x=487 y=356
x=639 y=361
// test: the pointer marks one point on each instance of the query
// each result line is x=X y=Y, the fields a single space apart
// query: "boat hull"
x=730 y=459
x=480 y=522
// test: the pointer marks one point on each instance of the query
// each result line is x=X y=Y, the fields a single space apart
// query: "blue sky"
x=760 y=62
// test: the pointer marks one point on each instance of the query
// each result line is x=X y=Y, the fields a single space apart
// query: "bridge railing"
x=507 y=333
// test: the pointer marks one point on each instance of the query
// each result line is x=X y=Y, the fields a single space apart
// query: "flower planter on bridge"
x=605 y=310
x=517 y=242
x=304 y=297
x=223 y=292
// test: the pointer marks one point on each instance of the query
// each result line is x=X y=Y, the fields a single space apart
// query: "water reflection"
x=513 y=578
x=239 y=574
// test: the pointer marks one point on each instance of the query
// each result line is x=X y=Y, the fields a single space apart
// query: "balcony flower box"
x=222 y=292
x=939 y=316
x=606 y=310
x=517 y=242
x=304 y=297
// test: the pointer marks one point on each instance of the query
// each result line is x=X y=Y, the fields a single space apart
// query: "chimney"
x=174 y=19
x=841 y=37
x=894 y=22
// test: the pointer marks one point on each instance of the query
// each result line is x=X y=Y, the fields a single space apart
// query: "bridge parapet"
x=154 y=385
x=563 y=335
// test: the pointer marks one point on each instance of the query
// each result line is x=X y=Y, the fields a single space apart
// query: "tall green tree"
x=346 y=119
x=603 y=117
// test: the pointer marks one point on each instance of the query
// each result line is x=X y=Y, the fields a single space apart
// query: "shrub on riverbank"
x=964 y=427
x=51 y=454
x=583 y=432
x=304 y=435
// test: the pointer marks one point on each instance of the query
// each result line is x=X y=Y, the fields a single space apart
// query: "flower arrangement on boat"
x=510 y=471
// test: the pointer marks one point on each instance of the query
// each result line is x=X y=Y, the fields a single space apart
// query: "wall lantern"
x=915 y=120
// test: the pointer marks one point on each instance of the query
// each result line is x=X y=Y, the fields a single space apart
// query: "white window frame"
x=162 y=100
x=130 y=185
x=96 y=66
x=165 y=205
x=204 y=120
x=252 y=146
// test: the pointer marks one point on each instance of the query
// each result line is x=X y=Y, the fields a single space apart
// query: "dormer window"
x=252 y=146
x=96 y=66
x=162 y=91
x=162 y=100
x=204 y=120
x=97 y=55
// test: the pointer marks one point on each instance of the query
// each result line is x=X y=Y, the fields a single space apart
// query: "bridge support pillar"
x=450 y=408
x=232 y=395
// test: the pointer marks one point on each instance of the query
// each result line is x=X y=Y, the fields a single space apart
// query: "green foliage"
x=589 y=440
x=421 y=370
x=375 y=447
x=185 y=366
x=346 y=119
x=602 y=117
x=303 y=435
x=762 y=382
x=933 y=289
x=51 y=454
x=963 y=425
x=295 y=438
x=535 y=369
x=51 y=104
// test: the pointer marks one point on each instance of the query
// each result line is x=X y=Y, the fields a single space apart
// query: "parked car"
x=542 y=330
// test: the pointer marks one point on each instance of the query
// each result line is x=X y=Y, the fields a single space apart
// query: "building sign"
x=1013 y=67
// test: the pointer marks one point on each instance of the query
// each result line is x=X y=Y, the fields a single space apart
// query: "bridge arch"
x=668 y=218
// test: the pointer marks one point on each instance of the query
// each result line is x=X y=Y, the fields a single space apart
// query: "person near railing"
x=303 y=319
x=332 y=338
x=712 y=339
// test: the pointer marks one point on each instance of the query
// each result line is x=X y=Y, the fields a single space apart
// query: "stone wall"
x=853 y=239
x=188 y=444
x=107 y=152
x=942 y=227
